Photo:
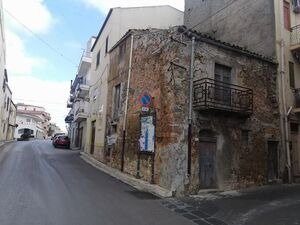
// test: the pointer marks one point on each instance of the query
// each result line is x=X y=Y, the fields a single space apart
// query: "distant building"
x=79 y=99
x=30 y=125
x=34 y=118
x=53 y=129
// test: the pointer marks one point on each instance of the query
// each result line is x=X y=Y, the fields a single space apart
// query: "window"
x=106 y=45
x=98 y=59
x=286 y=14
x=292 y=75
x=28 y=120
x=122 y=50
x=117 y=100
x=7 y=106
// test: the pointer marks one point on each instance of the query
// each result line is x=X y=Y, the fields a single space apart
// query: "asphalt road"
x=41 y=185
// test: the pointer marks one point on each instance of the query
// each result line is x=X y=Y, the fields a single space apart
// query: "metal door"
x=93 y=137
x=272 y=160
x=207 y=164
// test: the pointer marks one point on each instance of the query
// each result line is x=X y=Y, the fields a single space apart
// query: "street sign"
x=145 y=109
x=145 y=100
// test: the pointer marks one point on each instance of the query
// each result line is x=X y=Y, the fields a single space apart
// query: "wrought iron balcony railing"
x=295 y=36
x=211 y=94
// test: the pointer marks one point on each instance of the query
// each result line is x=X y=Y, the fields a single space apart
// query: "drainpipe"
x=284 y=112
x=284 y=116
x=191 y=108
x=126 y=106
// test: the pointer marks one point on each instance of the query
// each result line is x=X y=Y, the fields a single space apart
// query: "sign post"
x=147 y=132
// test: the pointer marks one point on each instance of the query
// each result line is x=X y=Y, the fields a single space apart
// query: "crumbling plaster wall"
x=152 y=72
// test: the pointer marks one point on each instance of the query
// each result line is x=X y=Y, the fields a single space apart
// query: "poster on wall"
x=147 y=138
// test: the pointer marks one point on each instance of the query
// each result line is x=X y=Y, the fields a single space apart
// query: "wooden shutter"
x=287 y=16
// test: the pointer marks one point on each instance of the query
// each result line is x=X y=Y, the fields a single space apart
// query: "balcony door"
x=222 y=90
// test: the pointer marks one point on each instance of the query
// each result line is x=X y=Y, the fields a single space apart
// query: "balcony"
x=295 y=41
x=211 y=95
x=69 y=118
x=81 y=111
x=82 y=91
x=69 y=104
x=297 y=101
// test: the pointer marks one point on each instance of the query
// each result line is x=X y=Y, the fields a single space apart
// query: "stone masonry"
x=160 y=67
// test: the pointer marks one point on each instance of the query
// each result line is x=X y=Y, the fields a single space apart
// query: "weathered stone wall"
x=152 y=72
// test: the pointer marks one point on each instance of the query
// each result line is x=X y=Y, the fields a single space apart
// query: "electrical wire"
x=40 y=39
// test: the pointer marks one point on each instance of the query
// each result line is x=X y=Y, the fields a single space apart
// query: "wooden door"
x=272 y=160
x=93 y=137
x=207 y=164
x=295 y=150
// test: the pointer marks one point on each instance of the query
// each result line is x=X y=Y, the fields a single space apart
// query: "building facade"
x=5 y=92
x=117 y=23
x=234 y=115
x=33 y=119
x=79 y=99
x=272 y=28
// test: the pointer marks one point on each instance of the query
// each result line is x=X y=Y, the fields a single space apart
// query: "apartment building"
x=79 y=99
x=116 y=24
x=270 y=28
x=33 y=120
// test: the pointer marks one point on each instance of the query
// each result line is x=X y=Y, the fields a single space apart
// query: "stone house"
x=235 y=139
x=117 y=22
x=270 y=28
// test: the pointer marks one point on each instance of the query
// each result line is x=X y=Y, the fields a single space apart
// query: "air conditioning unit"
x=296 y=5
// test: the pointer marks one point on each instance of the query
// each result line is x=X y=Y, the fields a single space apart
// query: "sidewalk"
x=267 y=205
x=126 y=178
x=2 y=143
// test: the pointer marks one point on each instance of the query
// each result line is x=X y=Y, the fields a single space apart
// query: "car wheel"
x=68 y=146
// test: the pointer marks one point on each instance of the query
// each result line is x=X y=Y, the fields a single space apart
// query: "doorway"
x=272 y=160
x=207 y=162
x=93 y=137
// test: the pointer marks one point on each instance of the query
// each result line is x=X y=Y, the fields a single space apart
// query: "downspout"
x=284 y=110
x=189 y=166
x=126 y=106
x=284 y=113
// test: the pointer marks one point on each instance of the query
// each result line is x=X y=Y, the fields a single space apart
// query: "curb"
x=128 y=179
x=2 y=143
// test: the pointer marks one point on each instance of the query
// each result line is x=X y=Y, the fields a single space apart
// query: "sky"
x=44 y=43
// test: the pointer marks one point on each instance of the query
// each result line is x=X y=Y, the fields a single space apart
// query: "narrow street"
x=41 y=185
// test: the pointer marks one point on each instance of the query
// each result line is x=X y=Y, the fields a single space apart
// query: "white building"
x=115 y=26
x=5 y=92
x=29 y=124
x=79 y=99
x=35 y=112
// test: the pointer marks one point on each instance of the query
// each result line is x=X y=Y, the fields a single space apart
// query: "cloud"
x=37 y=17
x=105 y=5
x=18 y=60
x=49 y=94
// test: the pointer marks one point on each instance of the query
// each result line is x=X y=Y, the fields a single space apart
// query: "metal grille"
x=212 y=94
x=295 y=35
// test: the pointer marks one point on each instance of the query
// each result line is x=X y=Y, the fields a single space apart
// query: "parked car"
x=61 y=141
x=57 y=134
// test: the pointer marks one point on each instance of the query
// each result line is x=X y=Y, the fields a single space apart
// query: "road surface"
x=41 y=185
